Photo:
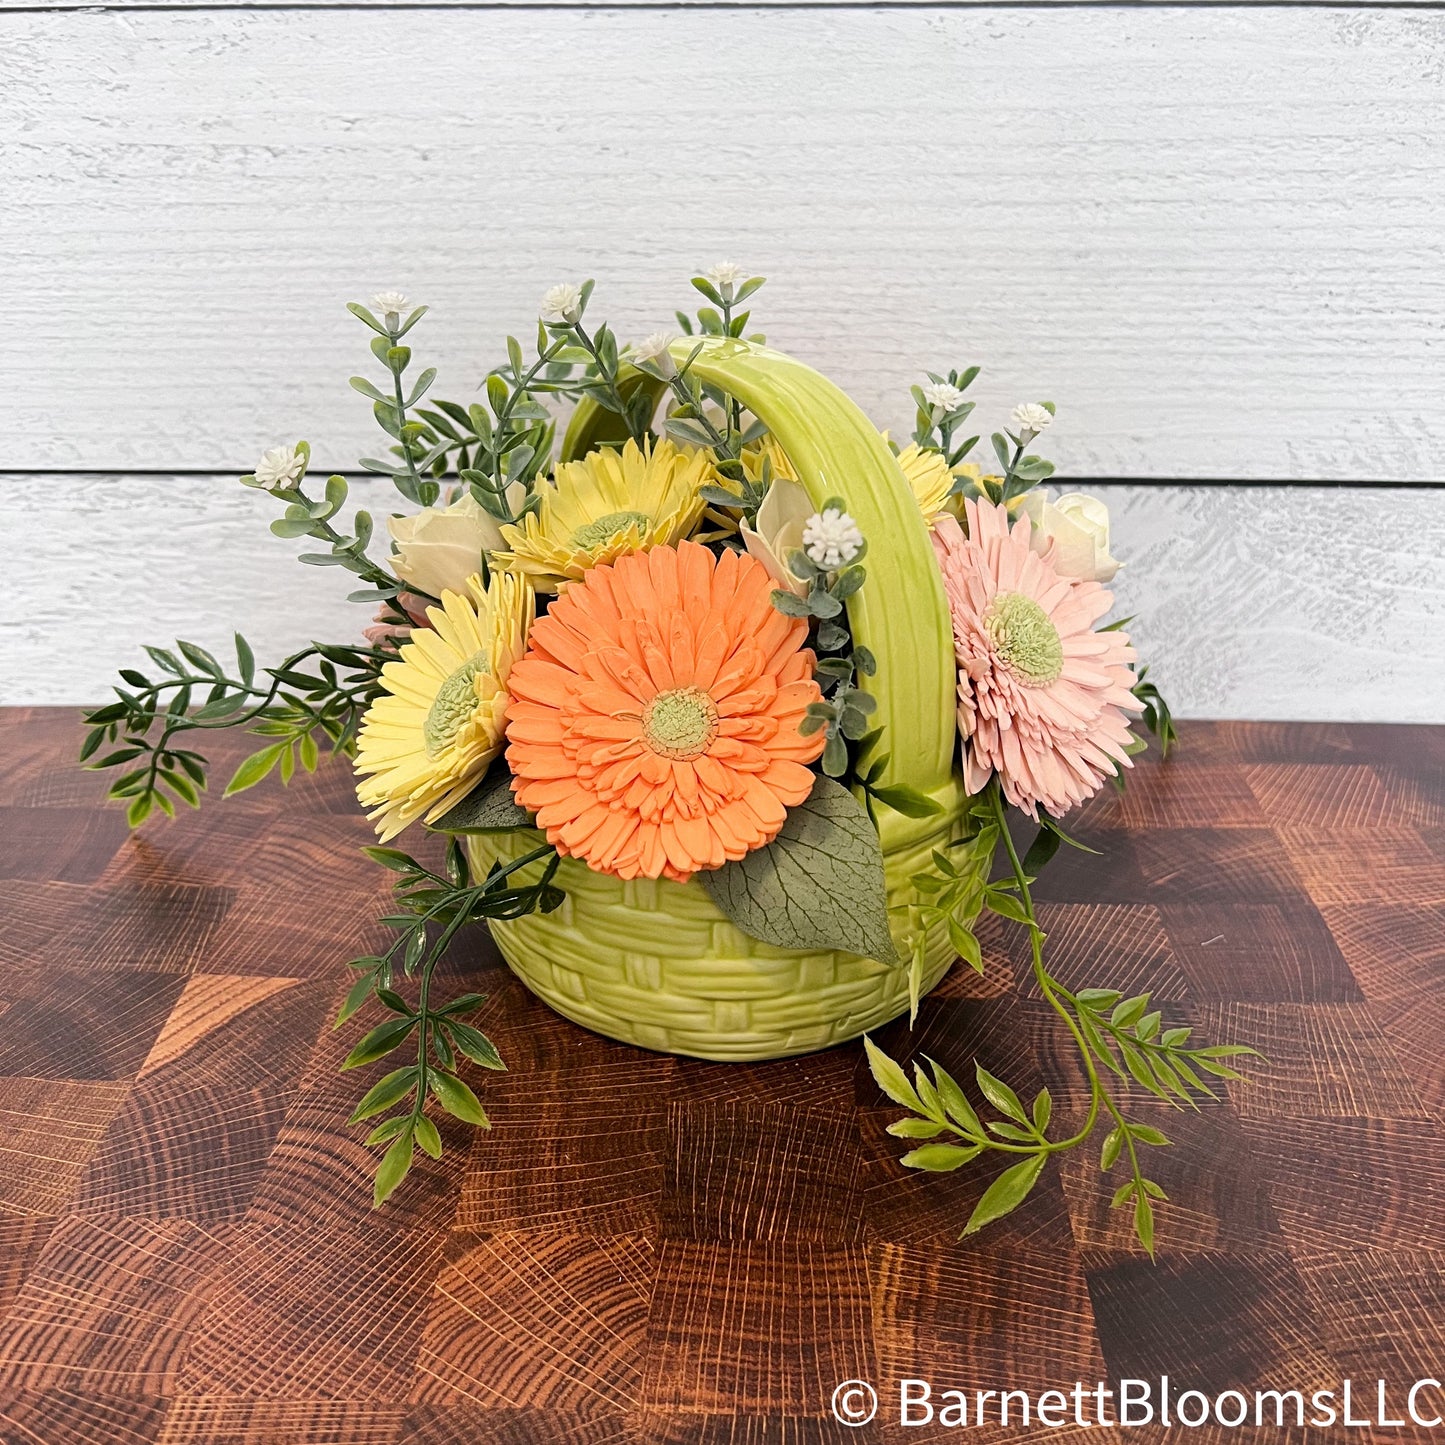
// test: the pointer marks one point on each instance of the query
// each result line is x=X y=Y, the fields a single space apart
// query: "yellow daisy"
x=608 y=504
x=926 y=471
x=426 y=742
x=928 y=475
x=767 y=448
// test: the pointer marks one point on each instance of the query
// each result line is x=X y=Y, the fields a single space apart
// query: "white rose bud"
x=438 y=548
x=1077 y=528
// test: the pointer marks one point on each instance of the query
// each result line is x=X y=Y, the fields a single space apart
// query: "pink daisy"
x=1042 y=697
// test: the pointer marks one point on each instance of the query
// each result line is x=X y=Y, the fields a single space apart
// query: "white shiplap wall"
x=1211 y=233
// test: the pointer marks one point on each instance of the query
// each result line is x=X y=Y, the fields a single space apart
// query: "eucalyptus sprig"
x=434 y=907
x=1021 y=469
x=845 y=708
x=297 y=708
x=602 y=380
x=306 y=516
x=1113 y=1034
x=413 y=457
x=935 y=423
x=691 y=421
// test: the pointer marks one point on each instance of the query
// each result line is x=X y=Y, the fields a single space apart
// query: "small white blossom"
x=941 y=394
x=562 y=305
x=1030 y=417
x=281 y=466
x=726 y=275
x=652 y=348
x=832 y=539
x=385 y=302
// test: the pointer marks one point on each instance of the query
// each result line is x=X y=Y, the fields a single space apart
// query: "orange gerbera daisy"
x=654 y=723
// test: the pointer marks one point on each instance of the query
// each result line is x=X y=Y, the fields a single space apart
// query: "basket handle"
x=900 y=613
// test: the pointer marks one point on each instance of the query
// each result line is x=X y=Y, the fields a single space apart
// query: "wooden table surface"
x=652 y=1249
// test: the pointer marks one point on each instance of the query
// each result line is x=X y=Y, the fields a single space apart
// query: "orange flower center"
x=680 y=724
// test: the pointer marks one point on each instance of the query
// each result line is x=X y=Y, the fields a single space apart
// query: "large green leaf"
x=488 y=808
x=818 y=884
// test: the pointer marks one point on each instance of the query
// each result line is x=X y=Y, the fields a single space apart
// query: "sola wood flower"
x=1042 y=697
x=428 y=738
x=654 y=722
x=606 y=504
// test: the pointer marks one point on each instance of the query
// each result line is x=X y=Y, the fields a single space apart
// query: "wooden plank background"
x=1210 y=233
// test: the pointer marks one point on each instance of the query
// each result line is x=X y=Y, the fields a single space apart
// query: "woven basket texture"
x=654 y=963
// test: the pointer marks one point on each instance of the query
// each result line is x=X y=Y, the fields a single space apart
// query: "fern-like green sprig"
x=295 y=706
x=434 y=908
x=1113 y=1034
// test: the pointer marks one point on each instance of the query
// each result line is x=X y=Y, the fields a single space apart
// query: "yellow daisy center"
x=680 y=724
x=1025 y=640
x=455 y=701
x=596 y=534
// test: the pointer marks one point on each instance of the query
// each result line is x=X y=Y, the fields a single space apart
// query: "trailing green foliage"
x=1114 y=1034
x=433 y=908
x=316 y=696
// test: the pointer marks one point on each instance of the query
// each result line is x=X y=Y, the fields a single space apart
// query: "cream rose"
x=1078 y=526
x=438 y=548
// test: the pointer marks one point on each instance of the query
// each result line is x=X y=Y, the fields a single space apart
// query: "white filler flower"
x=832 y=539
x=940 y=393
x=1031 y=417
x=652 y=348
x=562 y=305
x=389 y=302
x=725 y=275
x=281 y=466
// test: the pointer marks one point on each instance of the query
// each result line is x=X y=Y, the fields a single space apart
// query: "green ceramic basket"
x=655 y=963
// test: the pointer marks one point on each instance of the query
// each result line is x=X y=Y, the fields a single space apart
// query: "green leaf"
x=1109 y=1154
x=360 y=992
x=379 y=1042
x=890 y=1077
x=457 y=1099
x=254 y=768
x=1041 y=850
x=1000 y=1095
x=819 y=884
x=387 y=1129
x=1043 y=1110
x=908 y=801
x=1004 y=903
x=915 y=1129
x=1147 y=1134
x=384 y=1093
x=954 y=1101
x=392 y=858
x=393 y=1168
x=1005 y=1194
x=475 y=1045
x=489 y=808
x=1144 y=1220
x=428 y=1138
x=1130 y=1011
x=941 y=1158
x=965 y=945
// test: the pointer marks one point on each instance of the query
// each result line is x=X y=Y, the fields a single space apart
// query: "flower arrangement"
x=722 y=707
